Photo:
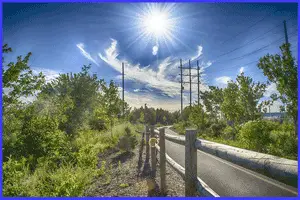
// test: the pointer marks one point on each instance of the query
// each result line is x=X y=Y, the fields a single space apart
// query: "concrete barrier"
x=281 y=169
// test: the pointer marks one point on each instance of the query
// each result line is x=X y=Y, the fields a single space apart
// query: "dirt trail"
x=129 y=174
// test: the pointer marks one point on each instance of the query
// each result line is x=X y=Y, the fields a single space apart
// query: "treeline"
x=51 y=144
x=234 y=114
x=153 y=116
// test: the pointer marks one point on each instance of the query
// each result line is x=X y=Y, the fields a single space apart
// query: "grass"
x=69 y=178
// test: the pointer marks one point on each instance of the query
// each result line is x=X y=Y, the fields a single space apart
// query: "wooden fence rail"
x=279 y=168
x=193 y=184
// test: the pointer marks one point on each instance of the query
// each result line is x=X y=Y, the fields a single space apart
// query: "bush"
x=256 y=134
x=98 y=124
x=229 y=133
x=128 y=141
x=14 y=175
x=283 y=144
x=216 y=129
x=181 y=126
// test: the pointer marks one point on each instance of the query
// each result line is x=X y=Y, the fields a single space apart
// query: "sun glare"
x=156 y=23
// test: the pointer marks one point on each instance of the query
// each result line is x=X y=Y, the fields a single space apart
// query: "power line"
x=252 y=41
x=247 y=29
x=257 y=50
x=255 y=61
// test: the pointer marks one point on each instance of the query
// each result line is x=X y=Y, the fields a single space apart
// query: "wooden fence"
x=193 y=184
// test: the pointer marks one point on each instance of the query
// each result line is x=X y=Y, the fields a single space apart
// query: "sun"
x=156 y=23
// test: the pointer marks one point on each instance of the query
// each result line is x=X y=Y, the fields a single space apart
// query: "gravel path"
x=128 y=174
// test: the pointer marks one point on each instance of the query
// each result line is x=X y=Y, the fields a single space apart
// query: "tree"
x=212 y=100
x=232 y=106
x=282 y=70
x=111 y=101
x=20 y=81
x=19 y=78
x=82 y=89
x=250 y=93
x=198 y=117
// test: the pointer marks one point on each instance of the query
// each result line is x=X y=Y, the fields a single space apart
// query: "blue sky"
x=226 y=38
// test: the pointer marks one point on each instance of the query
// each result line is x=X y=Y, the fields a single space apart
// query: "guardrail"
x=193 y=184
x=281 y=169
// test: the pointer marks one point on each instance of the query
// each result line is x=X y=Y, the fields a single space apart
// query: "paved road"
x=228 y=179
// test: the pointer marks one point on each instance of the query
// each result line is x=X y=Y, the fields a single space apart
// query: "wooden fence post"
x=162 y=161
x=147 y=143
x=153 y=153
x=190 y=163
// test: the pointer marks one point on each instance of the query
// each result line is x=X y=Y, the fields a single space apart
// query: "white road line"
x=248 y=172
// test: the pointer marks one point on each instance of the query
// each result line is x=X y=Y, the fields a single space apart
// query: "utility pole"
x=198 y=69
x=181 y=87
x=123 y=89
x=285 y=33
x=190 y=83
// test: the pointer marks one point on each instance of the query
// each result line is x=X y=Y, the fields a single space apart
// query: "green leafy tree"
x=232 y=106
x=250 y=93
x=212 y=100
x=19 y=79
x=142 y=118
x=111 y=101
x=282 y=70
x=83 y=91
x=198 y=117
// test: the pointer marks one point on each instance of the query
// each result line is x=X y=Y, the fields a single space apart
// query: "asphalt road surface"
x=228 y=179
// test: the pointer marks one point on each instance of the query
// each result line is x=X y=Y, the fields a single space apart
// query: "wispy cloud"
x=222 y=81
x=199 y=53
x=155 y=50
x=80 y=46
x=156 y=79
x=136 y=90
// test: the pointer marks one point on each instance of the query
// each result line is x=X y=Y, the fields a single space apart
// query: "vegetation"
x=282 y=70
x=153 y=116
x=233 y=115
x=51 y=144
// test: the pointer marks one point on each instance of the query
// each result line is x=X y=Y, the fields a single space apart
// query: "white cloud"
x=242 y=69
x=275 y=107
x=155 y=50
x=80 y=46
x=49 y=73
x=271 y=89
x=136 y=90
x=222 y=81
x=155 y=79
x=199 y=53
